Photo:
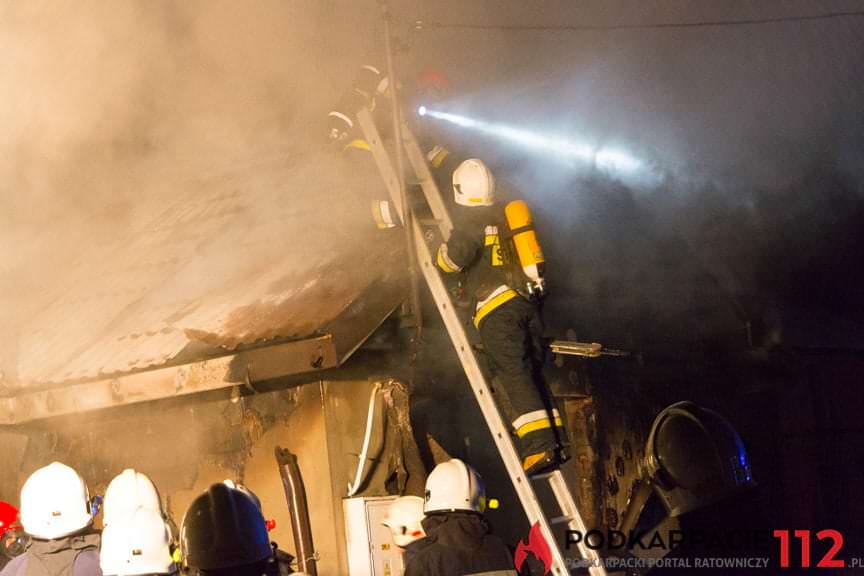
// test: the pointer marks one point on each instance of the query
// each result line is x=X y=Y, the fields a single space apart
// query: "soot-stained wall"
x=185 y=445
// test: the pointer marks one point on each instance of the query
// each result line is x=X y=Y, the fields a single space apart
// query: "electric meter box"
x=371 y=551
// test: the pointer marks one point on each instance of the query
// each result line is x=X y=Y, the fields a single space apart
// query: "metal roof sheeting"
x=269 y=252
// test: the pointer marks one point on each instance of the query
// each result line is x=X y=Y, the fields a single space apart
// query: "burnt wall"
x=187 y=444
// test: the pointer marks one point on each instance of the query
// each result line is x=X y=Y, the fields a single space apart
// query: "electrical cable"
x=659 y=25
x=367 y=437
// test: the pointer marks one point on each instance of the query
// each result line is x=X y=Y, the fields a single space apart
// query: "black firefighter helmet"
x=224 y=532
x=695 y=458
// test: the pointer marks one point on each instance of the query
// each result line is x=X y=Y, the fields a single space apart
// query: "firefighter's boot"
x=542 y=441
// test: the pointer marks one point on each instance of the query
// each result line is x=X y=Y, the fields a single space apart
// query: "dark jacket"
x=459 y=544
x=474 y=247
x=478 y=247
x=76 y=555
x=413 y=549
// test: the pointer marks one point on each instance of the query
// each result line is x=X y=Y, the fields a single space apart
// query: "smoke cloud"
x=110 y=105
x=752 y=133
x=745 y=228
x=115 y=111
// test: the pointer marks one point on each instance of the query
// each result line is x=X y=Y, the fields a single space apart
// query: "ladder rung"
x=543 y=476
x=560 y=520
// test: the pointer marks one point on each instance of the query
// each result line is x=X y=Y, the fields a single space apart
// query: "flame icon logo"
x=536 y=545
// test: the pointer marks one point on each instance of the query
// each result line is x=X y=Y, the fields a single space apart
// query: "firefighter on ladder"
x=498 y=252
x=370 y=89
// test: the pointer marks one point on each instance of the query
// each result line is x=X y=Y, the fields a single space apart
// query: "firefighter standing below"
x=56 y=513
x=11 y=538
x=405 y=521
x=700 y=470
x=499 y=253
x=225 y=534
x=695 y=458
x=458 y=541
x=136 y=540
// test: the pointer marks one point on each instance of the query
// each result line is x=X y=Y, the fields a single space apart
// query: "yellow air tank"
x=525 y=241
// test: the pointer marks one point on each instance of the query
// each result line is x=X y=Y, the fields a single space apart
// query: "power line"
x=659 y=25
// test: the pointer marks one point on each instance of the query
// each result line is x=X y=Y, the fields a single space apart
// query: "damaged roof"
x=263 y=254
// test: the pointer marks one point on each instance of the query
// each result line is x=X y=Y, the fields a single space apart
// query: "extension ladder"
x=568 y=513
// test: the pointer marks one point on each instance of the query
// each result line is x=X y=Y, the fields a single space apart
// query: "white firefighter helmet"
x=127 y=492
x=139 y=543
x=55 y=502
x=473 y=184
x=403 y=519
x=454 y=486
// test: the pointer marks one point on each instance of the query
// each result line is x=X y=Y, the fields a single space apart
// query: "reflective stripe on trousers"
x=536 y=420
x=498 y=297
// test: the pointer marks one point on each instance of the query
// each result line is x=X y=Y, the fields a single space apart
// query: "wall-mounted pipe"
x=295 y=494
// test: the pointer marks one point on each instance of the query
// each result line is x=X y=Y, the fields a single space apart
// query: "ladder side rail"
x=382 y=160
x=575 y=522
x=476 y=377
x=439 y=210
x=427 y=182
